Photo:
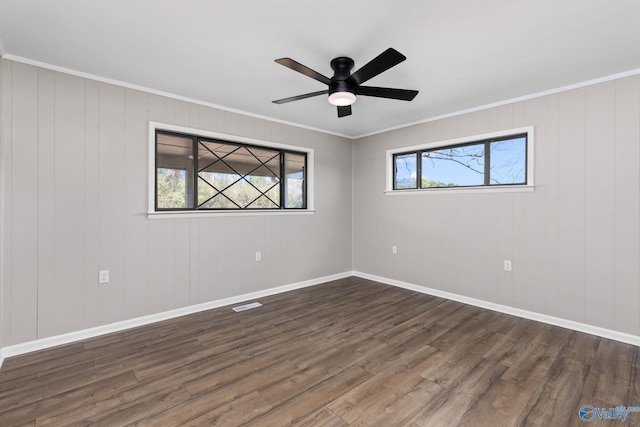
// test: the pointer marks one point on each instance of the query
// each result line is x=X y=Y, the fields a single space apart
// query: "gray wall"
x=73 y=193
x=74 y=170
x=574 y=241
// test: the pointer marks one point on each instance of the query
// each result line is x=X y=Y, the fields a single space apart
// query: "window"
x=214 y=172
x=494 y=160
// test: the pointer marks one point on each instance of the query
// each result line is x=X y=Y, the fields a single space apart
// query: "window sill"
x=214 y=214
x=464 y=190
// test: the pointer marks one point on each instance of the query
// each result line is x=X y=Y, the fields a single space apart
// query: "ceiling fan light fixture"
x=342 y=99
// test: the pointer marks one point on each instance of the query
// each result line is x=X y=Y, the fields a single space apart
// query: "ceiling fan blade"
x=386 y=92
x=303 y=69
x=299 y=97
x=387 y=59
x=344 y=111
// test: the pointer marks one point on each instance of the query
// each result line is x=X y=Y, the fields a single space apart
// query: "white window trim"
x=152 y=213
x=529 y=186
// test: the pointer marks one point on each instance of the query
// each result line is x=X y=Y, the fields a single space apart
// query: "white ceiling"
x=461 y=54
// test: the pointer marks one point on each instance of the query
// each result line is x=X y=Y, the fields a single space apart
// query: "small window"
x=172 y=188
x=406 y=169
x=496 y=161
x=196 y=173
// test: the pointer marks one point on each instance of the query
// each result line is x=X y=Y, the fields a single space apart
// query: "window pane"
x=508 y=160
x=405 y=171
x=266 y=201
x=294 y=180
x=453 y=167
x=217 y=201
x=210 y=186
x=171 y=188
x=238 y=177
x=263 y=179
x=268 y=191
x=174 y=172
x=242 y=193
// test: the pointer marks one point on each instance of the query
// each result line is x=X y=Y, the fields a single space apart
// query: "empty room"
x=273 y=213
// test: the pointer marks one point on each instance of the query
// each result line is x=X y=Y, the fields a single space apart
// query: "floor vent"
x=247 y=306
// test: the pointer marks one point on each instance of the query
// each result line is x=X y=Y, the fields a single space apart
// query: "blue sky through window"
x=454 y=167
x=464 y=165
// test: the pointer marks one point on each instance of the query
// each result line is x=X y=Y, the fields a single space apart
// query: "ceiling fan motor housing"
x=342 y=80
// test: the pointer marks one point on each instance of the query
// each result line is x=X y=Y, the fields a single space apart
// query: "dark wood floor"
x=349 y=352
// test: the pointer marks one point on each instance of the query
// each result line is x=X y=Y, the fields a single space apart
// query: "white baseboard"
x=44 y=343
x=544 y=318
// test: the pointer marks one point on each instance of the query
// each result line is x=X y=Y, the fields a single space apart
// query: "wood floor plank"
x=466 y=324
x=64 y=382
x=205 y=410
x=582 y=347
x=400 y=404
x=460 y=396
x=344 y=353
x=62 y=353
x=258 y=380
x=120 y=411
x=503 y=404
x=459 y=360
x=612 y=365
x=509 y=399
x=514 y=342
x=32 y=379
x=316 y=372
x=533 y=364
x=362 y=399
x=634 y=380
x=291 y=410
x=63 y=402
x=243 y=368
x=323 y=418
x=145 y=391
x=560 y=399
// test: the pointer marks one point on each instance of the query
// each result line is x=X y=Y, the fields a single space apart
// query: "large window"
x=201 y=173
x=498 y=160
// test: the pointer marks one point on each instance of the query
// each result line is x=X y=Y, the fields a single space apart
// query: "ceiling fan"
x=344 y=86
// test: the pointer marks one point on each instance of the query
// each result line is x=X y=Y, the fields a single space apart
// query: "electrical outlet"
x=394 y=250
x=258 y=256
x=103 y=276
x=507 y=265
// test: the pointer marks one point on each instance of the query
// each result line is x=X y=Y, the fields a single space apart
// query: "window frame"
x=487 y=139
x=153 y=212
